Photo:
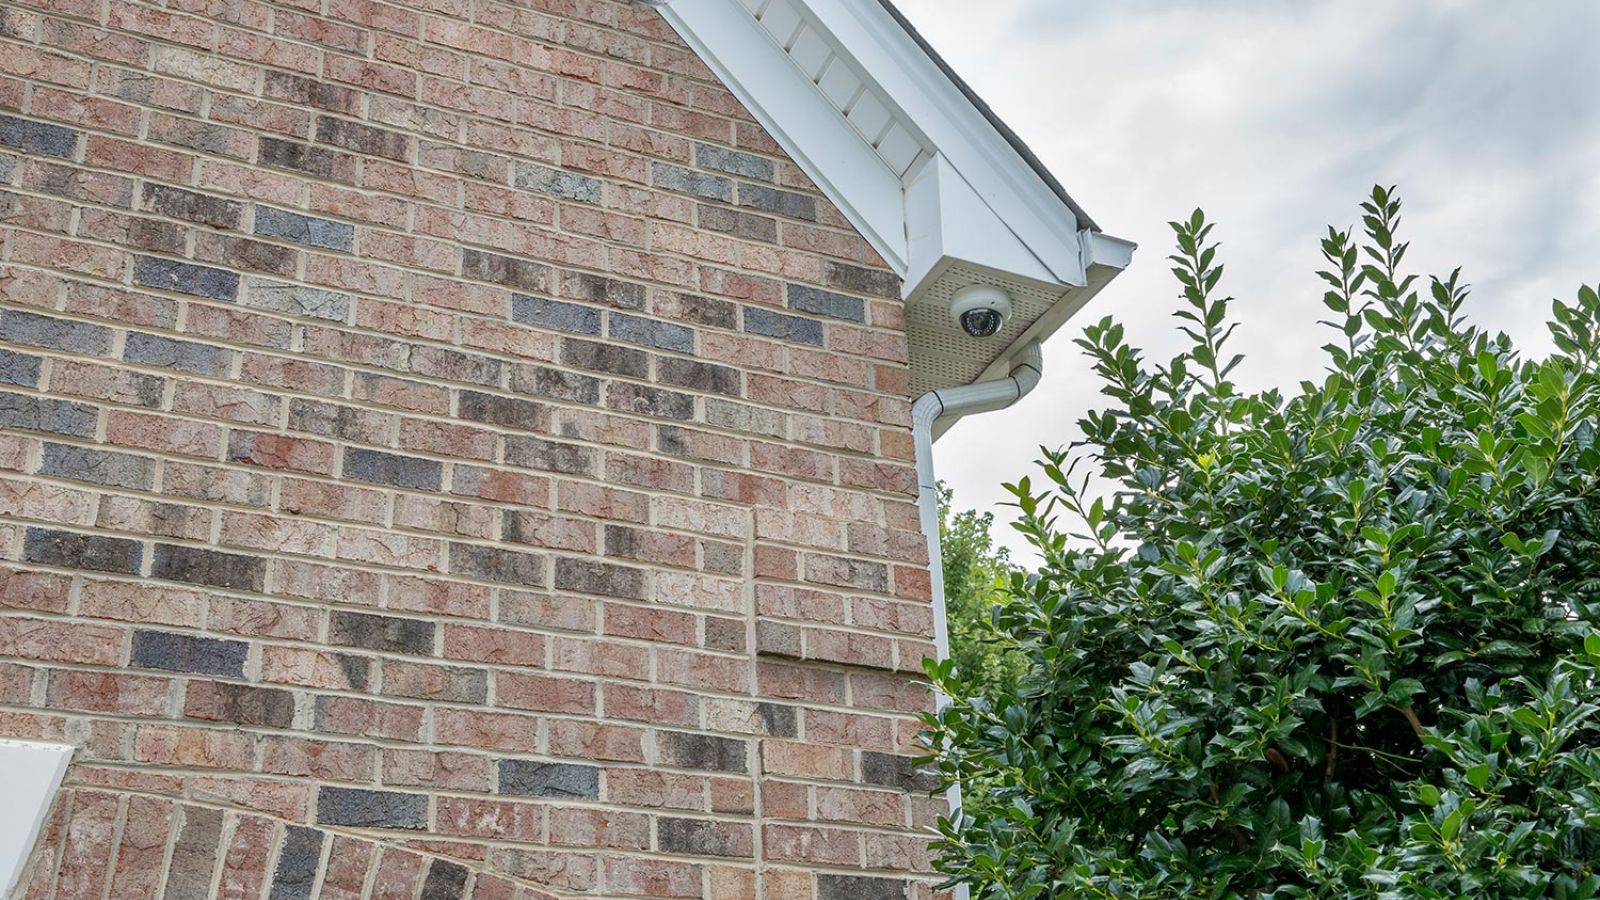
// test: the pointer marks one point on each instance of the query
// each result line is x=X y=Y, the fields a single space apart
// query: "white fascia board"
x=32 y=774
x=927 y=97
x=947 y=220
x=730 y=41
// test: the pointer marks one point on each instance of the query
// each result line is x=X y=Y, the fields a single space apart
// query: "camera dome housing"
x=980 y=310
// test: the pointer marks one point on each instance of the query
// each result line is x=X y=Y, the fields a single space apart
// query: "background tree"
x=974 y=570
x=1339 y=645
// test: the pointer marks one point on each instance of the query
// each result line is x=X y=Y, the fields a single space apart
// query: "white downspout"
x=985 y=396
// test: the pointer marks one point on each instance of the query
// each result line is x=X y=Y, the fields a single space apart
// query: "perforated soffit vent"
x=944 y=354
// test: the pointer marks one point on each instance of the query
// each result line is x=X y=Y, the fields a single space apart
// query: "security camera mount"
x=980 y=310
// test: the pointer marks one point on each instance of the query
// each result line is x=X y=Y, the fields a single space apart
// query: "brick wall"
x=447 y=450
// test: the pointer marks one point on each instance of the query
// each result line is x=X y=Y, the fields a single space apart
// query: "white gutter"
x=952 y=403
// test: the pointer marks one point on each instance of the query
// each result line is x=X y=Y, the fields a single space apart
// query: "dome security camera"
x=980 y=310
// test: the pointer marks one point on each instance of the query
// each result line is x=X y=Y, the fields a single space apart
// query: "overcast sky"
x=1277 y=116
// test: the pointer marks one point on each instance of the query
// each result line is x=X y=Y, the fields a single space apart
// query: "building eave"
x=925 y=171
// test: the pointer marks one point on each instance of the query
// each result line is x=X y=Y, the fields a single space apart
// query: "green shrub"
x=1342 y=644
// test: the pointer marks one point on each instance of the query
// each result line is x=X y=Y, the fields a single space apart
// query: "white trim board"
x=30 y=775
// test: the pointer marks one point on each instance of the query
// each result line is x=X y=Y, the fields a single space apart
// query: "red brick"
x=500 y=820
x=142 y=848
x=130 y=695
x=40 y=591
x=811 y=845
x=244 y=865
x=599 y=828
x=60 y=641
x=542 y=693
x=485 y=730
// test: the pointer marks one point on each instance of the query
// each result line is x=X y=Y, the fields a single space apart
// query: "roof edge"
x=1085 y=221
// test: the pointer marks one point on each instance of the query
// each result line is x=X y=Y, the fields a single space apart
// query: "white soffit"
x=32 y=774
x=927 y=177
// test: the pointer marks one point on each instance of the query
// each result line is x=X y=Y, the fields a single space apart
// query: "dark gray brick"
x=493 y=564
x=556 y=384
x=8 y=165
x=209 y=567
x=18 y=369
x=557 y=183
x=303 y=229
x=319 y=161
x=445 y=881
x=602 y=290
x=72 y=550
x=777 y=325
x=387 y=634
x=649 y=401
x=587 y=576
x=727 y=635
x=68 y=182
x=651 y=333
x=388 y=468
x=703 y=837
x=895 y=771
x=453 y=365
x=254 y=255
x=185 y=356
x=697 y=309
x=296 y=873
x=827 y=303
x=601 y=357
x=98 y=466
x=297 y=300
x=549 y=456
x=150 y=235
x=568 y=317
x=702 y=751
x=860 y=887
x=38 y=137
x=688 y=181
x=194 y=854
x=349 y=423
x=299 y=90
x=174 y=652
x=700 y=376
x=507 y=411
x=778 y=720
x=357 y=670
x=363 y=138
x=56 y=334
x=733 y=162
x=531 y=778
x=781 y=203
x=506 y=270
x=746 y=418
x=372 y=809
x=862 y=280
x=29 y=413
x=748 y=226
x=240 y=704
x=185 y=278
x=779 y=639
x=177 y=203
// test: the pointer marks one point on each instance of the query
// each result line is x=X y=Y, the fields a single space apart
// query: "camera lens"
x=982 y=323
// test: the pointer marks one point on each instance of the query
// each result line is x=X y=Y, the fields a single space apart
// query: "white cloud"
x=1277 y=117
